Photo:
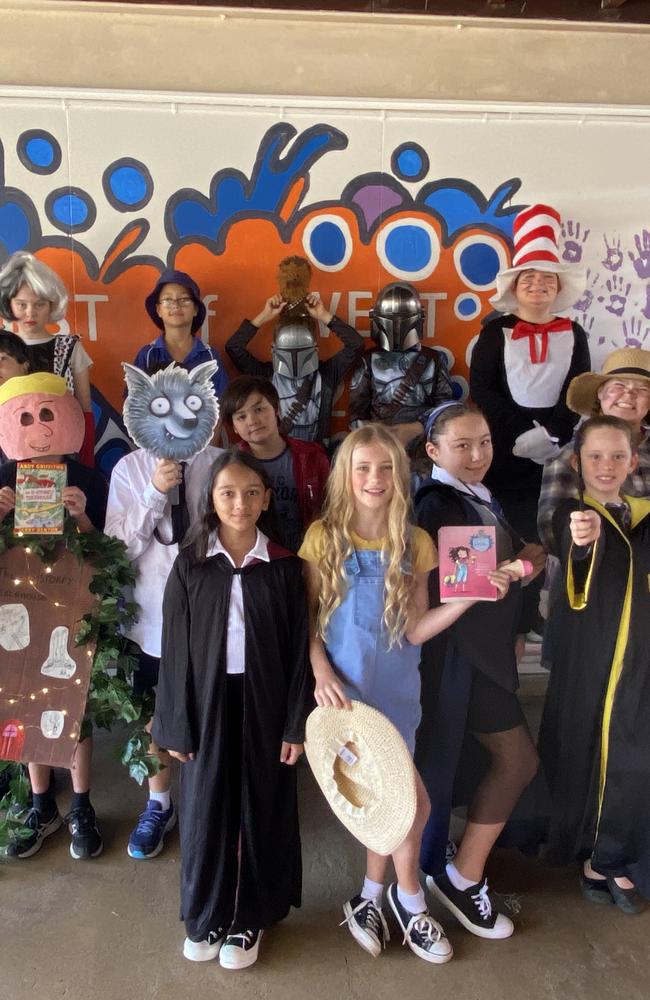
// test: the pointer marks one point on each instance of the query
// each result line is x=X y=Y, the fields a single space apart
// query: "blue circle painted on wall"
x=327 y=243
x=479 y=263
x=409 y=162
x=467 y=306
x=39 y=151
x=408 y=248
x=127 y=184
x=70 y=209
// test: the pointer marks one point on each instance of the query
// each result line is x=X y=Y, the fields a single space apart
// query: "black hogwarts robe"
x=190 y=717
x=595 y=735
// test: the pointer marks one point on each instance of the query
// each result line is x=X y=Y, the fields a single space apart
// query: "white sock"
x=413 y=904
x=372 y=890
x=458 y=880
x=165 y=799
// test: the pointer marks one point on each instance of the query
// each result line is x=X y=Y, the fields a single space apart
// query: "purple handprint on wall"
x=633 y=332
x=642 y=261
x=574 y=241
x=618 y=293
x=613 y=253
x=584 y=302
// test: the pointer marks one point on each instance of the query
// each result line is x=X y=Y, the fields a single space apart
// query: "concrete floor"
x=109 y=928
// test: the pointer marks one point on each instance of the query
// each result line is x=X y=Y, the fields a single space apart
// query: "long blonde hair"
x=337 y=517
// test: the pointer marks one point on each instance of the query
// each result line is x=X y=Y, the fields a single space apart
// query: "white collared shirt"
x=475 y=490
x=135 y=509
x=236 y=637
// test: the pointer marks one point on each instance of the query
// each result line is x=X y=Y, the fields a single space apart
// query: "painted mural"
x=229 y=227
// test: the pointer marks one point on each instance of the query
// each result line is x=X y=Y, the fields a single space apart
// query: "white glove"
x=536 y=444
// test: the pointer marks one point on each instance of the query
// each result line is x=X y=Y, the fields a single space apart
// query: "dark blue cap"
x=172 y=277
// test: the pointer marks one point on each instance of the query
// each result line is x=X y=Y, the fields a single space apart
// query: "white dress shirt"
x=135 y=509
x=236 y=637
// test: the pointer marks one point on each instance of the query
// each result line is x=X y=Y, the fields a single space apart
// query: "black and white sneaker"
x=204 y=951
x=240 y=949
x=424 y=935
x=41 y=826
x=472 y=907
x=85 y=839
x=366 y=924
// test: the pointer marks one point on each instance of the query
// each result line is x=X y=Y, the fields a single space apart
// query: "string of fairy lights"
x=13 y=698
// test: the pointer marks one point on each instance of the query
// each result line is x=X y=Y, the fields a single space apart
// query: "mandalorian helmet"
x=397 y=321
x=294 y=351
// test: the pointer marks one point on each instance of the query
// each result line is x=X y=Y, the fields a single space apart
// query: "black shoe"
x=424 y=935
x=366 y=924
x=86 y=841
x=240 y=949
x=595 y=890
x=628 y=900
x=472 y=907
x=42 y=826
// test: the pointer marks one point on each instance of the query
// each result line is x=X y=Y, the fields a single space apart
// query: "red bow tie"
x=522 y=329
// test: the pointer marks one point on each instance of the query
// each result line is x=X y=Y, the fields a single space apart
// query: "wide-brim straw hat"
x=626 y=362
x=536 y=233
x=366 y=773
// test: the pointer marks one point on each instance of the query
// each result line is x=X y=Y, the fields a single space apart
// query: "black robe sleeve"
x=241 y=357
x=172 y=724
x=579 y=562
x=300 y=696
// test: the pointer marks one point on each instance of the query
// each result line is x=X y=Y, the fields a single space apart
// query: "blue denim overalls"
x=357 y=645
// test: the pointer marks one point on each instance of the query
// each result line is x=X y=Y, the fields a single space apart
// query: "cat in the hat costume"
x=524 y=361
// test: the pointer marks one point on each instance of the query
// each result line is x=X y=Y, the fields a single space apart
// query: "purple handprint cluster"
x=617 y=282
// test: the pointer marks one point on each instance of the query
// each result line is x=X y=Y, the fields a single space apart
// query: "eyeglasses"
x=618 y=388
x=170 y=303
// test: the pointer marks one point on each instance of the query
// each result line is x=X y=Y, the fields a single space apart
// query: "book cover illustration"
x=467 y=554
x=39 y=498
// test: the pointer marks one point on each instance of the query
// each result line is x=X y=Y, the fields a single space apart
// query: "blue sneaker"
x=148 y=838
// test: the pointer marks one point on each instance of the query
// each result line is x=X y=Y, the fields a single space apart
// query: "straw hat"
x=536 y=233
x=365 y=772
x=627 y=362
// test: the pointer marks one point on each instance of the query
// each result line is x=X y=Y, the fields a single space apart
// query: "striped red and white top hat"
x=536 y=236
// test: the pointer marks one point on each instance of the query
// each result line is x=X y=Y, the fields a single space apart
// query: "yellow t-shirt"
x=425 y=557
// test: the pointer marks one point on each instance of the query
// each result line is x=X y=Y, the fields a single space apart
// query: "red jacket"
x=310 y=469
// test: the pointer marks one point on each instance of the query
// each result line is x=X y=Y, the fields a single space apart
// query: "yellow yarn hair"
x=20 y=385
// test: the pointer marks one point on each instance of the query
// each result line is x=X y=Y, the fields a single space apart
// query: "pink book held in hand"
x=467 y=554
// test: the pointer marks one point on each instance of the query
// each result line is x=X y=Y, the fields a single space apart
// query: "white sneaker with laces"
x=240 y=950
x=204 y=951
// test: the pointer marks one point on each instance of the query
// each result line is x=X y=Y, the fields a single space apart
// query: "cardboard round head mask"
x=39 y=419
x=173 y=413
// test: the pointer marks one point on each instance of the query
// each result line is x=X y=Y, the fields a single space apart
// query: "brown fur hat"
x=294 y=276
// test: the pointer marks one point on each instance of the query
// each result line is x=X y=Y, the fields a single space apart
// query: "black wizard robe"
x=595 y=735
x=254 y=885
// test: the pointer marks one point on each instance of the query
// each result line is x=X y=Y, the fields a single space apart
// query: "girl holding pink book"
x=469 y=678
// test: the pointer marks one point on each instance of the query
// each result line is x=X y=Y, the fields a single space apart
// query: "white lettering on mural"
x=92 y=301
x=354 y=313
x=205 y=329
x=431 y=298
